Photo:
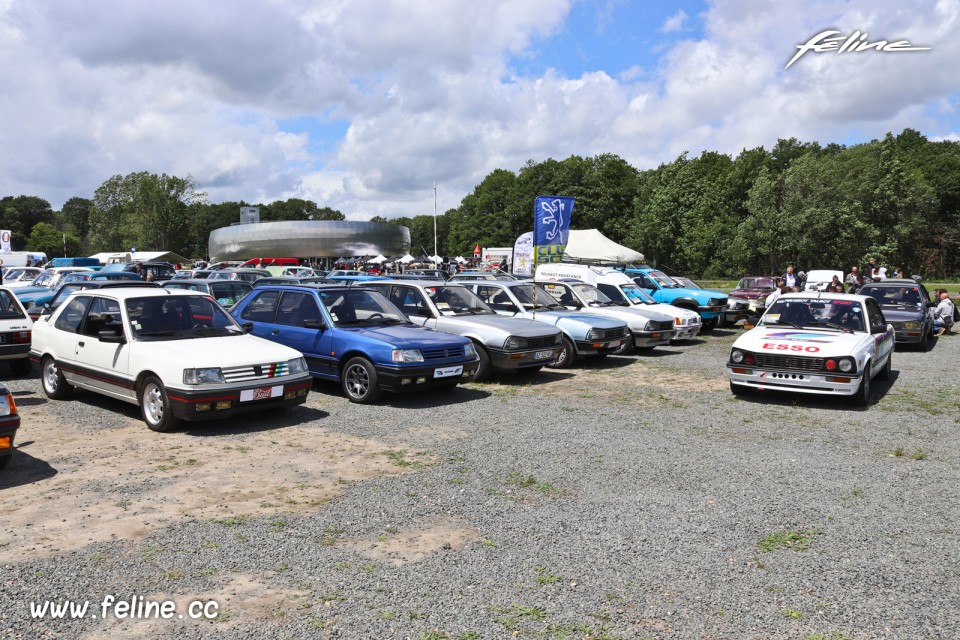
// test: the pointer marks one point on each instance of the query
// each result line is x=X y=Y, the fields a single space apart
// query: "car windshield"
x=179 y=317
x=592 y=296
x=663 y=280
x=65 y=291
x=636 y=294
x=456 y=301
x=907 y=297
x=360 y=307
x=811 y=313
x=44 y=279
x=755 y=283
x=525 y=295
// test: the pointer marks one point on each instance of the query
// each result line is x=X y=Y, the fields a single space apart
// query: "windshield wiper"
x=158 y=333
x=834 y=325
x=789 y=324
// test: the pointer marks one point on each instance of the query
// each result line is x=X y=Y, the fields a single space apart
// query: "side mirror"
x=112 y=335
x=247 y=327
x=314 y=324
x=878 y=328
x=45 y=309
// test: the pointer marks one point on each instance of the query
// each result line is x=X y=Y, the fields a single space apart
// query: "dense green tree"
x=19 y=214
x=76 y=215
x=44 y=237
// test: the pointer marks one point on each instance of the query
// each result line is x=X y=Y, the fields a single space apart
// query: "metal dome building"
x=308 y=239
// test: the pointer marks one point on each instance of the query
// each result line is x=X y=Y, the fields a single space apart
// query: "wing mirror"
x=878 y=328
x=247 y=327
x=314 y=324
x=112 y=335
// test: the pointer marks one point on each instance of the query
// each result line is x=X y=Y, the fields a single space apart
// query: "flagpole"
x=435 y=222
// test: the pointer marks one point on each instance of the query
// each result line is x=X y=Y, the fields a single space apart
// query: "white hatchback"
x=15 y=328
x=177 y=354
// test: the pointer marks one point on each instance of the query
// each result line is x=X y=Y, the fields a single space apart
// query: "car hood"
x=667 y=309
x=893 y=314
x=810 y=342
x=700 y=295
x=755 y=292
x=225 y=351
x=522 y=327
x=408 y=336
x=23 y=291
x=568 y=317
x=635 y=317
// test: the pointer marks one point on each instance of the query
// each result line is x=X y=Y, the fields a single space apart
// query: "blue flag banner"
x=551 y=227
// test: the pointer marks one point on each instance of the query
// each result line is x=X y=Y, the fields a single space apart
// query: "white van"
x=620 y=288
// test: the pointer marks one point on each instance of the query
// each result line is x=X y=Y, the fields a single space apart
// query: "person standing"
x=790 y=278
x=852 y=278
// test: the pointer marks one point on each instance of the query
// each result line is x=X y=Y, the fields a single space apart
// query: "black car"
x=69 y=287
x=9 y=423
x=906 y=305
x=158 y=271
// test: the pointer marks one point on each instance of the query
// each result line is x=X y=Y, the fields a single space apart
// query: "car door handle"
x=275 y=332
x=81 y=343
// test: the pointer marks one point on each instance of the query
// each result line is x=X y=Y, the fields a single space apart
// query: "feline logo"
x=830 y=40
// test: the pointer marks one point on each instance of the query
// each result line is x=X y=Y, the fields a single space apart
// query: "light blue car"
x=584 y=334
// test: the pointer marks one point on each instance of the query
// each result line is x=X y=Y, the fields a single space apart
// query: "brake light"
x=20 y=337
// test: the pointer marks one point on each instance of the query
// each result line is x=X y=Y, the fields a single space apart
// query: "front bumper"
x=687 y=333
x=8 y=432
x=213 y=404
x=642 y=339
x=395 y=379
x=910 y=336
x=598 y=347
x=708 y=313
x=797 y=381
x=524 y=358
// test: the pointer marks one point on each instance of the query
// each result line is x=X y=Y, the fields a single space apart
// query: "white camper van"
x=620 y=288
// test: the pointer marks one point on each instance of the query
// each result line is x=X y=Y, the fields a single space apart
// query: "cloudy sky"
x=362 y=105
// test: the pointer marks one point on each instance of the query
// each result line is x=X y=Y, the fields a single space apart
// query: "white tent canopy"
x=460 y=259
x=380 y=259
x=436 y=258
x=590 y=244
x=406 y=259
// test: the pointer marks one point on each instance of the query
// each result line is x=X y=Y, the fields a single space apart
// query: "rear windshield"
x=9 y=307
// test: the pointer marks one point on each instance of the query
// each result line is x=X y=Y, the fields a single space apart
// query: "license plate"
x=447 y=372
x=3 y=338
x=263 y=393
x=543 y=355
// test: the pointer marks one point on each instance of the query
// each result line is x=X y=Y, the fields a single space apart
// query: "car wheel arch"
x=685 y=303
x=346 y=356
x=141 y=377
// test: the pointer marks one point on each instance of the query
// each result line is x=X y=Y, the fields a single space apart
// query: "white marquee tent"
x=590 y=244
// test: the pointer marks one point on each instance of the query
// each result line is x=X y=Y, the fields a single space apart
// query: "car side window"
x=874 y=315
x=611 y=292
x=72 y=315
x=496 y=298
x=410 y=301
x=103 y=313
x=296 y=308
x=262 y=307
x=644 y=281
x=8 y=307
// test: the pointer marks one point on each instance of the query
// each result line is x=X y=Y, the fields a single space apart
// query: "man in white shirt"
x=943 y=315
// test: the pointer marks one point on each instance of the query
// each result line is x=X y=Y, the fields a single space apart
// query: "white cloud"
x=426 y=92
x=675 y=22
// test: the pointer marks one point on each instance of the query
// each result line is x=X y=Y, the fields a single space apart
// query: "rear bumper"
x=401 y=378
x=8 y=429
x=207 y=404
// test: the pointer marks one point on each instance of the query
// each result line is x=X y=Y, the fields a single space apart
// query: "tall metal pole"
x=435 y=222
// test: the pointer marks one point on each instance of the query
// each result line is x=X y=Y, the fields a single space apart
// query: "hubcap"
x=50 y=375
x=358 y=382
x=153 y=404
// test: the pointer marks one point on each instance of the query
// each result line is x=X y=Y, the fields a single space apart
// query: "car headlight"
x=211 y=375
x=712 y=302
x=911 y=325
x=469 y=350
x=407 y=355
x=736 y=356
x=593 y=334
x=29 y=304
x=647 y=325
x=297 y=365
x=846 y=365
x=515 y=342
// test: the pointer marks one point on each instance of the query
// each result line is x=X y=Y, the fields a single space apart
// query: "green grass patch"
x=795 y=540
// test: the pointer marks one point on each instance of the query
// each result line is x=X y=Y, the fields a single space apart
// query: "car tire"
x=885 y=372
x=21 y=366
x=739 y=389
x=625 y=349
x=567 y=357
x=483 y=368
x=927 y=343
x=5 y=460
x=709 y=325
x=155 y=405
x=862 y=396
x=51 y=379
x=359 y=381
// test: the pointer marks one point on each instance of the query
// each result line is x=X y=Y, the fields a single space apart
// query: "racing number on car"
x=789 y=347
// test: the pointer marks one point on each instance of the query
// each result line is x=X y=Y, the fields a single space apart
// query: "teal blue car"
x=711 y=305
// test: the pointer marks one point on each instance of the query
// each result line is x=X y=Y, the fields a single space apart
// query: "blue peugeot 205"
x=359 y=338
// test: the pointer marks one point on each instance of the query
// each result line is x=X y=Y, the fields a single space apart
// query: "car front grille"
x=605 y=334
x=897 y=326
x=791 y=363
x=541 y=342
x=440 y=353
x=666 y=325
x=255 y=372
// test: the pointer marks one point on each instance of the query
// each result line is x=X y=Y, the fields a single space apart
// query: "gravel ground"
x=628 y=498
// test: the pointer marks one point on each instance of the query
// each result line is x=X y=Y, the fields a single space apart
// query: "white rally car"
x=829 y=343
x=177 y=354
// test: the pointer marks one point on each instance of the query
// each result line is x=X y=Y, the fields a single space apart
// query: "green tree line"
x=896 y=200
